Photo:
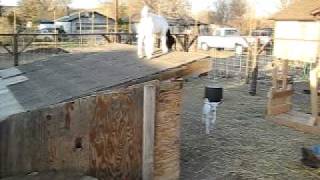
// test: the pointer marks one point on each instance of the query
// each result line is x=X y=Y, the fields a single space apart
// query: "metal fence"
x=228 y=64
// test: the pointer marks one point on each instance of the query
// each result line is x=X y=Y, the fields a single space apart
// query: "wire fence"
x=229 y=64
x=18 y=49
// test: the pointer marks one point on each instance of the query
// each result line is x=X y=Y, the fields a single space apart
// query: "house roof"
x=75 y=15
x=302 y=10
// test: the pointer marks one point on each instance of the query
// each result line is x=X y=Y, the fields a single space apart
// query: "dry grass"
x=243 y=144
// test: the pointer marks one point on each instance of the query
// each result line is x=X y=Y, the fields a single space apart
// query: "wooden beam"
x=275 y=75
x=284 y=74
x=279 y=109
x=149 y=114
x=280 y=94
x=314 y=95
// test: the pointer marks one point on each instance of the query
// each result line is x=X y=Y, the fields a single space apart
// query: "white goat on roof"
x=150 y=25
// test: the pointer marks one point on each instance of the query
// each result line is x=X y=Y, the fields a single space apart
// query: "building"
x=89 y=21
x=297 y=31
x=108 y=115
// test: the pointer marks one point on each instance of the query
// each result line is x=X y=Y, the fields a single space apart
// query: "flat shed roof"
x=66 y=77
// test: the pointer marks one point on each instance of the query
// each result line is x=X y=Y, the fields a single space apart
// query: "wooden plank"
x=275 y=75
x=279 y=109
x=295 y=120
x=284 y=74
x=198 y=67
x=314 y=94
x=281 y=94
x=115 y=135
x=149 y=113
x=167 y=135
x=281 y=100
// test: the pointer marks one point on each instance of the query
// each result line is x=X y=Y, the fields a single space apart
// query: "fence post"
x=15 y=50
x=248 y=63
x=149 y=115
x=254 y=74
x=186 y=43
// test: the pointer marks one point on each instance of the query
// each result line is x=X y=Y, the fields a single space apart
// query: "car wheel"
x=205 y=46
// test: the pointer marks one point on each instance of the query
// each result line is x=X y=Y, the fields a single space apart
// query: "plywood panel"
x=116 y=136
x=167 y=134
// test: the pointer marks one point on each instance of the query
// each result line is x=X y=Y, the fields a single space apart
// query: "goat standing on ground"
x=150 y=25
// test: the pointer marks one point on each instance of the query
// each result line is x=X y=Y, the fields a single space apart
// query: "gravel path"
x=243 y=145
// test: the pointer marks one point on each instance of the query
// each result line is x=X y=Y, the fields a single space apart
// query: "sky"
x=263 y=7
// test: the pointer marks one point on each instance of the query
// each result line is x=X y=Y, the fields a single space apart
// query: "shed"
x=109 y=115
x=297 y=31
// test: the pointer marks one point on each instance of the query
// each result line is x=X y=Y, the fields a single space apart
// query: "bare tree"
x=238 y=9
x=222 y=11
x=34 y=10
x=172 y=8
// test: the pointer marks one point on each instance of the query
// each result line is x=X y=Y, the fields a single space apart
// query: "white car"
x=264 y=36
x=223 y=38
x=45 y=35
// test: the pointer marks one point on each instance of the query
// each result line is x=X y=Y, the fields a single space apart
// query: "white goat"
x=150 y=25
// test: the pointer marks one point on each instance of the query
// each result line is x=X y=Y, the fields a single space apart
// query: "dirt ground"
x=243 y=145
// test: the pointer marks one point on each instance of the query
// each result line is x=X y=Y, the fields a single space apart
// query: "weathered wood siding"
x=100 y=135
x=167 y=133
x=116 y=136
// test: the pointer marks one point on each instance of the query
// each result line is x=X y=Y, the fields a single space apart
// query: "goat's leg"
x=149 y=43
x=164 y=47
x=140 y=46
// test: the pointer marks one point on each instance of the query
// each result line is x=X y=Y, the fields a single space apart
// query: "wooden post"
x=107 y=21
x=149 y=114
x=14 y=22
x=55 y=28
x=80 y=27
x=275 y=75
x=116 y=28
x=248 y=63
x=254 y=76
x=92 y=27
x=186 y=43
x=285 y=75
x=15 y=50
x=314 y=95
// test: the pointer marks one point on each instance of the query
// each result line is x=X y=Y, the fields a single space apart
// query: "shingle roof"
x=302 y=10
x=75 y=15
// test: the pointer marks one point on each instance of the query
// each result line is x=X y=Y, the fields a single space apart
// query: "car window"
x=231 y=32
